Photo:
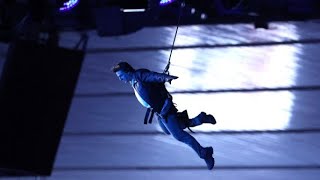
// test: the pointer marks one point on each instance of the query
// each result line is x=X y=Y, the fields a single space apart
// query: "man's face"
x=123 y=76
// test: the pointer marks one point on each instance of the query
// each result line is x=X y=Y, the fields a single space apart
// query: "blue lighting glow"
x=69 y=5
x=165 y=2
x=248 y=68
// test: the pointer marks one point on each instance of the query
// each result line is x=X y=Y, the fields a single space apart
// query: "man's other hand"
x=169 y=79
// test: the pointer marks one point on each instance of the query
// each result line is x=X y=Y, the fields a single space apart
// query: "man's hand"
x=170 y=78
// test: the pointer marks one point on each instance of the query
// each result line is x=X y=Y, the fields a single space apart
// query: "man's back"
x=150 y=86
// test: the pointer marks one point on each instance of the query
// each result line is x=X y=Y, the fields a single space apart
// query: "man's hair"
x=126 y=67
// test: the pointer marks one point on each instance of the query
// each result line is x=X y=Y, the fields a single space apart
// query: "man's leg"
x=178 y=133
x=163 y=127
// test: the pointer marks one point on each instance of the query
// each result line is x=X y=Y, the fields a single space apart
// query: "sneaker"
x=209 y=159
x=210 y=119
x=207 y=118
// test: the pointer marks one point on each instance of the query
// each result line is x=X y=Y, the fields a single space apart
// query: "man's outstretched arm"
x=156 y=77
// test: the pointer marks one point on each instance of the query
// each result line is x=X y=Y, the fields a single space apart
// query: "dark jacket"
x=150 y=86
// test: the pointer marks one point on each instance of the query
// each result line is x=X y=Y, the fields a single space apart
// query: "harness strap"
x=151 y=116
x=146 y=116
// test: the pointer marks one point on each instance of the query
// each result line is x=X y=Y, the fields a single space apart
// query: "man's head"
x=124 y=71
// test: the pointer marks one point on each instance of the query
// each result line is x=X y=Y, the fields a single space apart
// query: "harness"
x=149 y=114
x=168 y=105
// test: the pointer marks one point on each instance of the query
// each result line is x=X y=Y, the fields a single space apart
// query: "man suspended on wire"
x=149 y=88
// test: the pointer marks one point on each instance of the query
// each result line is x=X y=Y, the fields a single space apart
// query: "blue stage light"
x=69 y=5
x=165 y=2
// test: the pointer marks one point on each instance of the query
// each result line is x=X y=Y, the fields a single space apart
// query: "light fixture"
x=165 y=2
x=68 y=5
